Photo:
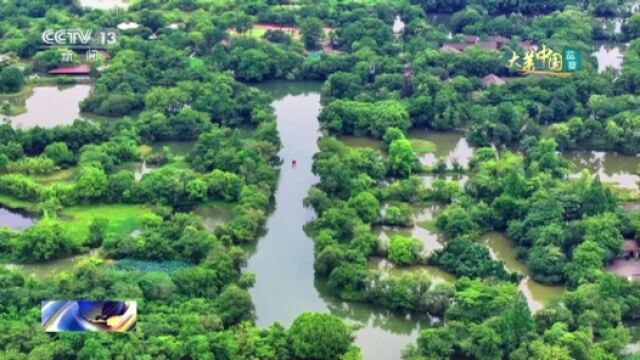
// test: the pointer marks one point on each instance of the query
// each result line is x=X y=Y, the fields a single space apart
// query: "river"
x=283 y=259
x=39 y=102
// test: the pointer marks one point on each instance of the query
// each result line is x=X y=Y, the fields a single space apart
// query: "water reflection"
x=610 y=167
x=536 y=293
x=213 y=215
x=449 y=146
x=382 y=334
x=39 y=101
x=48 y=269
x=178 y=148
x=432 y=241
x=16 y=219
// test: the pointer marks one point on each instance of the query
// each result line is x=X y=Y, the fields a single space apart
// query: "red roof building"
x=450 y=49
x=82 y=69
x=492 y=79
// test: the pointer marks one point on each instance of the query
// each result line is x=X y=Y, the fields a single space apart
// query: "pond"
x=611 y=167
x=213 y=215
x=536 y=293
x=16 y=219
x=609 y=55
x=283 y=258
x=449 y=146
x=48 y=269
x=178 y=148
x=39 y=101
x=430 y=240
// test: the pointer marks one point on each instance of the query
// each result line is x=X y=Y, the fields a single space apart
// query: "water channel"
x=283 y=259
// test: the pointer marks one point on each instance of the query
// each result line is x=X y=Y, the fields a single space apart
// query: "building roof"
x=528 y=45
x=457 y=46
x=450 y=49
x=489 y=45
x=492 y=79
x=81 y=69
x=630 y=245
x=499 y=39
x=471 y=39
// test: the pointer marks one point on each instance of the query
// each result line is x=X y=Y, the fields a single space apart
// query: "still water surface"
x=536 y=293
x=610 y=167
x=41 y=102
x=283 y=259
x=16 y=219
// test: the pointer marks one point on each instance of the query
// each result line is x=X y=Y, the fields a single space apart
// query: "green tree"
x=403 y=162
x=366 y=205
x=315 y=336
x=59 y=152
x=312 y=32
x=404 y=250
x=91 y=183
x=97 y=231
x=11 y=79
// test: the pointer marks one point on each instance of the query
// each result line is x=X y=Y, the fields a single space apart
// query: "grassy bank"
x=122 y=217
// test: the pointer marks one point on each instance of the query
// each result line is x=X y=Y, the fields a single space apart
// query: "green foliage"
x=11 y=79
x=465 y=258
x=46 y=240
x=403 y=162
x=312 y=32
x=400 y=215
x=358 y=118
x=316 y=336
x=404 y=251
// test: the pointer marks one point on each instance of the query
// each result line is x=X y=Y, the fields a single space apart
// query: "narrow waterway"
x=537 y=294
x=283 y=258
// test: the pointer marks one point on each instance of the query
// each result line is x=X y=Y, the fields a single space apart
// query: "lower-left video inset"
x=88 y=315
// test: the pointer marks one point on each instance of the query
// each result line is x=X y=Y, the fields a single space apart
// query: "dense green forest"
x=187 y=73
